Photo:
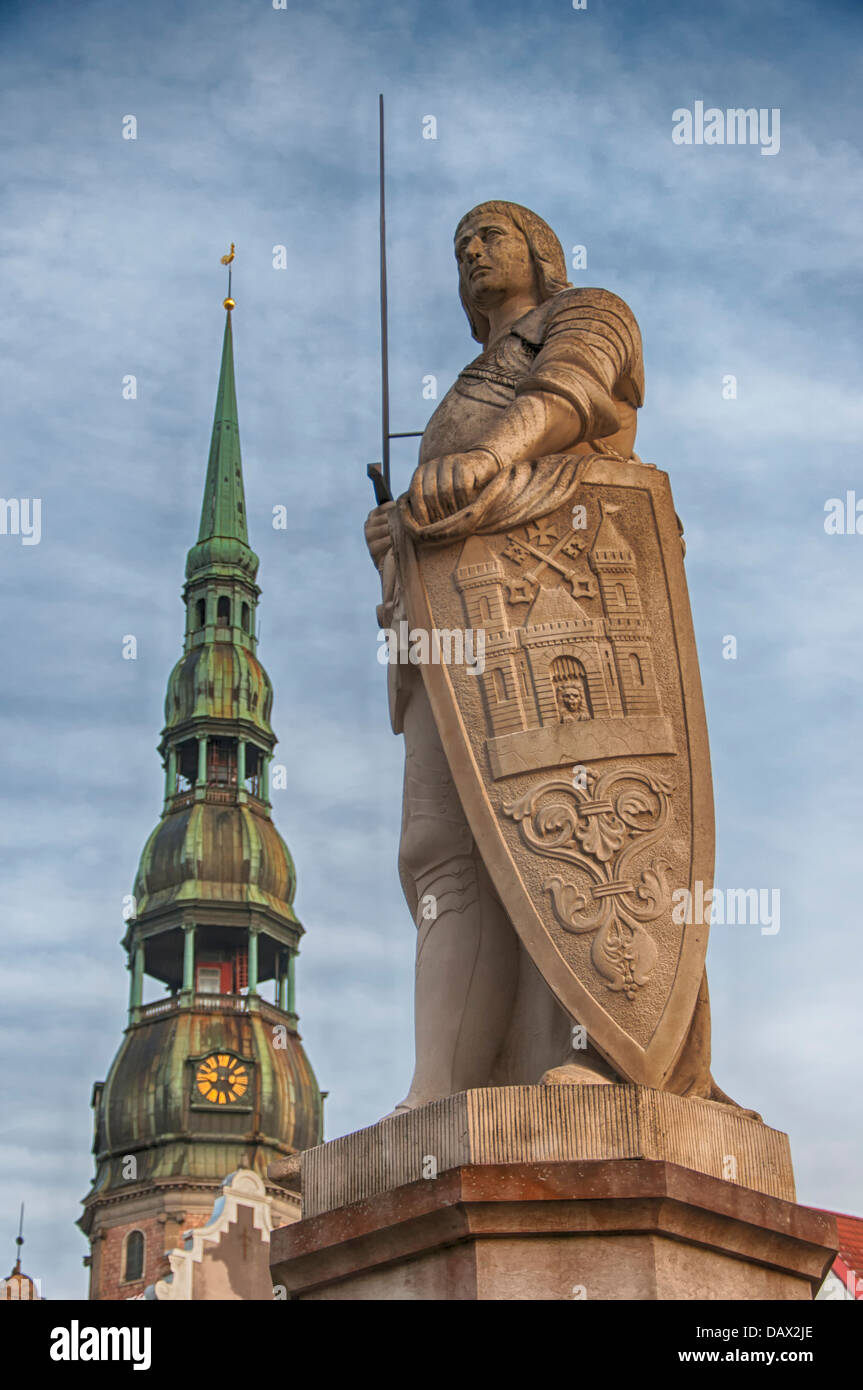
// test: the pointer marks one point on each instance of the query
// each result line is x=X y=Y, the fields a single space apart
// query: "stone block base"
x=602 y=1229
x=540 y=1124
x=552 y=1192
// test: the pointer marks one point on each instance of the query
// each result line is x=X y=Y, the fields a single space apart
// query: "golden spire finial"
x=229 y=303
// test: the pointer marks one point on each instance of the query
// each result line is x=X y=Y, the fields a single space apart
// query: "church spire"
x=199 y=1087
x=223 y=538
x=224 y=510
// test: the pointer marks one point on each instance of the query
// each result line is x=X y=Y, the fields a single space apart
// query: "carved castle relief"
x=564 y=682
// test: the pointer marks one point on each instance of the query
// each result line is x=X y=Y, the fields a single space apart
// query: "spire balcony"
x=214 y=1003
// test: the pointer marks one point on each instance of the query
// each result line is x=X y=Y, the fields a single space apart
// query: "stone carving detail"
x=559 y=662
x=569 y=679
x=600 y=827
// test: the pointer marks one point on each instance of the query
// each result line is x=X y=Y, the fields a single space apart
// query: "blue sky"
x=259 y=127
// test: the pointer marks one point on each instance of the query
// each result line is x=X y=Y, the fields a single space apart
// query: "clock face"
x=222 y=1079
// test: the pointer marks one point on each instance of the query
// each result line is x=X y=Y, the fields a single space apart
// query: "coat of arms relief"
x=569 y=682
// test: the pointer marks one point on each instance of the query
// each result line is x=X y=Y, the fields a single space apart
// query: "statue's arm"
x=589 y=358
x=590 y=354
x=538 y=422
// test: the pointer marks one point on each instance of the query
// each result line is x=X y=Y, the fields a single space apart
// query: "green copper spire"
x=224 y=509
x=213 y=921
x=223 y=539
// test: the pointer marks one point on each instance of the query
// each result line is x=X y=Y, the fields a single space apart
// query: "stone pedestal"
x=531 y=1192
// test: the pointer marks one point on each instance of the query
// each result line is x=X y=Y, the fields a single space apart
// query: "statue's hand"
x=377 y=531
x=444 y=485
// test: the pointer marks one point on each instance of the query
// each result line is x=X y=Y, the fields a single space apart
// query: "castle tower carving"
x=613 y=563
x=556 y=662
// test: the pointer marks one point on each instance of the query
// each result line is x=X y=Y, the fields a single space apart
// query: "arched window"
x=620 y=594
x=223 y=612
x=245 y=617
x=201 y=613
x=134 y=1263
x=635 y=667
x=499 y=681
x=484 y=608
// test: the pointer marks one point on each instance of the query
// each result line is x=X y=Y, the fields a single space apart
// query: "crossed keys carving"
x=523 y=589
x=599 y=828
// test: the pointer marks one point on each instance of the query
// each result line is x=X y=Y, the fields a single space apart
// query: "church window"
x=209 y=979
x=223 y=612
x=245 y=618
x=214 y=974
x=134 y=1262
x=200 y=613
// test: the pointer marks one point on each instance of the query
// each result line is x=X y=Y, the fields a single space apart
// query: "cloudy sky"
x=258 y=126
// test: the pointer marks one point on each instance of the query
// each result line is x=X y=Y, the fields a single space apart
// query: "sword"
x=380 y=472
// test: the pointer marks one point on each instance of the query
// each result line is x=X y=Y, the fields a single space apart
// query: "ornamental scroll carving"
x=600 y=823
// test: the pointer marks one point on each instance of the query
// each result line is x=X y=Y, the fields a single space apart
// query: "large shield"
x=578 y=745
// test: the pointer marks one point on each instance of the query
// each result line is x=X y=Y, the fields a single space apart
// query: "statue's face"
x=493 y=259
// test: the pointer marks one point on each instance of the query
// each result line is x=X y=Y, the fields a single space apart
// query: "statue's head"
x=520 y=252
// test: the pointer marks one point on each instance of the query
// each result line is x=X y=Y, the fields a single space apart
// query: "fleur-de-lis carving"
x=599 y=826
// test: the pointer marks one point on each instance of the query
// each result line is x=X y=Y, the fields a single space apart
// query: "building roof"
x=849 y=1261
x=848 y=1264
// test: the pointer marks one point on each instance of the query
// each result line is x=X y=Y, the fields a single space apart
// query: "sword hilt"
x=382 y=492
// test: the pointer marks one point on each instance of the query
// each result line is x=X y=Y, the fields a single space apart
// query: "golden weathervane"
x=229 y=303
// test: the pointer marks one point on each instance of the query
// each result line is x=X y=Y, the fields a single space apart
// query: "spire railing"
x=215 y=1003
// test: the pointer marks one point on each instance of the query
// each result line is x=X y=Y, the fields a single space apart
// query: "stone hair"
x=546 y=253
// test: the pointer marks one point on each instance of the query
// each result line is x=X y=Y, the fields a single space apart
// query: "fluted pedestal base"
x=596 y=1192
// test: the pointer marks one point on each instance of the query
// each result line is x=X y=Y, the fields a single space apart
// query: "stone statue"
x=557 y=797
